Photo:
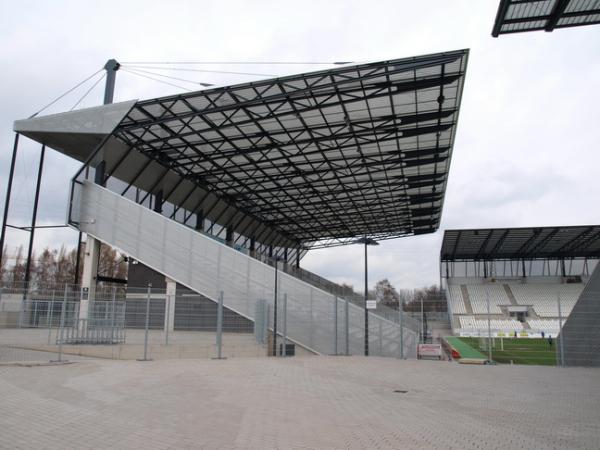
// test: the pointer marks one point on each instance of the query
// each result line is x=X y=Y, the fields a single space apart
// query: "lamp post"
x=275 y=309
x=366 y=241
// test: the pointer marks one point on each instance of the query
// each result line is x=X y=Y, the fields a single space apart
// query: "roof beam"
x=557 y=11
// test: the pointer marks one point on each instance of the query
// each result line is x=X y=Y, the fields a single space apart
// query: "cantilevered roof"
x=521 y=243
x=319 y=158
x=530 y=15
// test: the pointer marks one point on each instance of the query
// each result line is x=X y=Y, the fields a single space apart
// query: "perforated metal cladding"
x=208 y=267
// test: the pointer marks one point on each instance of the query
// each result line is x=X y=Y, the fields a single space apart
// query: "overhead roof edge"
x=549 y=242
x=95 y=120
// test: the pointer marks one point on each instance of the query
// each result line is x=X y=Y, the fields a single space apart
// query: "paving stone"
x=299 y=403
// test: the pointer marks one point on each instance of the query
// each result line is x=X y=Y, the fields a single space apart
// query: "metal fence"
x=209 y=267
x=47 y=323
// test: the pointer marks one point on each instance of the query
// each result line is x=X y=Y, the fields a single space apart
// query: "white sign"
x=434 y=350
x=371 y=304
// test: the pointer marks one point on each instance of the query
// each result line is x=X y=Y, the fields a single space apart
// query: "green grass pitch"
x=519 y=351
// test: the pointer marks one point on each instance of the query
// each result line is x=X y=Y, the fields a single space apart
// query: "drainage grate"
x=399 y=391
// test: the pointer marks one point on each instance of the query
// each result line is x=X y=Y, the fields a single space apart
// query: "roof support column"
x=92 y=246
x=158 y=201
x=200 y=221
x=11 y=174
x=229 y=236
x=171 y=292
x=33 y=221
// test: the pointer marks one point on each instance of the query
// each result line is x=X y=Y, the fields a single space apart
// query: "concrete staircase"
x=466 y=298
x=510 y=295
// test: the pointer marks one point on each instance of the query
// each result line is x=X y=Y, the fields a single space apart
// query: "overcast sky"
x=526 y=151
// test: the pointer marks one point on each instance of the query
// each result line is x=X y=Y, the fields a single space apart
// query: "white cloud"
x=526 y=152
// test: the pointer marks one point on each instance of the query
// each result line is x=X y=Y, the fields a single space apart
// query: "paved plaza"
x=303 y=402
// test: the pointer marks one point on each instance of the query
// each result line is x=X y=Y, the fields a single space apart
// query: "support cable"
x=182 y=69
x=154 y=79
x=174 y=78
x=290 y=63
x=66 y=93
x=88 y=91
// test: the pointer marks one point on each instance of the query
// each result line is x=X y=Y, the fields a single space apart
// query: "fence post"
x=265 y=330
x=335 y=325
x=284 y=326
x=1 y=304
x=220 y=327
x=380 y=337
x=401 y=312
x=113 y=321
x=167 y=315
x=62 y=324
x=347 y=327
x=560 y=335
x=50 y=316
x=22 y=312
x=147 y=324
x=35 y=314
x=487 y=296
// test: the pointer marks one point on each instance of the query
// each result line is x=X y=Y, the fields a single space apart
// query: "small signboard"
x=429 y=351
x=371 y=304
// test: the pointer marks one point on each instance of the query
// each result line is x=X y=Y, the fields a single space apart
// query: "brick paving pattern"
x=299 y=403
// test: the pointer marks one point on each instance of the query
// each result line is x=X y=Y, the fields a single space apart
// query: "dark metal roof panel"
x=521 y=243
x=322 y=157
x=515 y=16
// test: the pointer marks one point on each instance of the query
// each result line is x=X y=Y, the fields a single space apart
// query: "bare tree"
x=112 y=264
x=432 y=298
x=17 y=271
x=65 y=268
x=3 y=265
x=46 y=268
x=386 y=294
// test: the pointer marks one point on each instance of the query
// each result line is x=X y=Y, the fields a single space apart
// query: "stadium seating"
x=543 y=297
x=457 y=303
x=506 y=325
x=539 y=294
x=478 y=296
x=550 y=327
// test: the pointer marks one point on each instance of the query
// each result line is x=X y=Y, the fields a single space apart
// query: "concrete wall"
x=581 y=332
x=139 y=275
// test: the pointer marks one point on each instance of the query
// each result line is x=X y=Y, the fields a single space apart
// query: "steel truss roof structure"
x=515 y=16
x=521 y=243
x=321 y=157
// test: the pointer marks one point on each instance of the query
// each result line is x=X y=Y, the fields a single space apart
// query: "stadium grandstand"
x=525 y=280
x=222 y=191
x=515 y=16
